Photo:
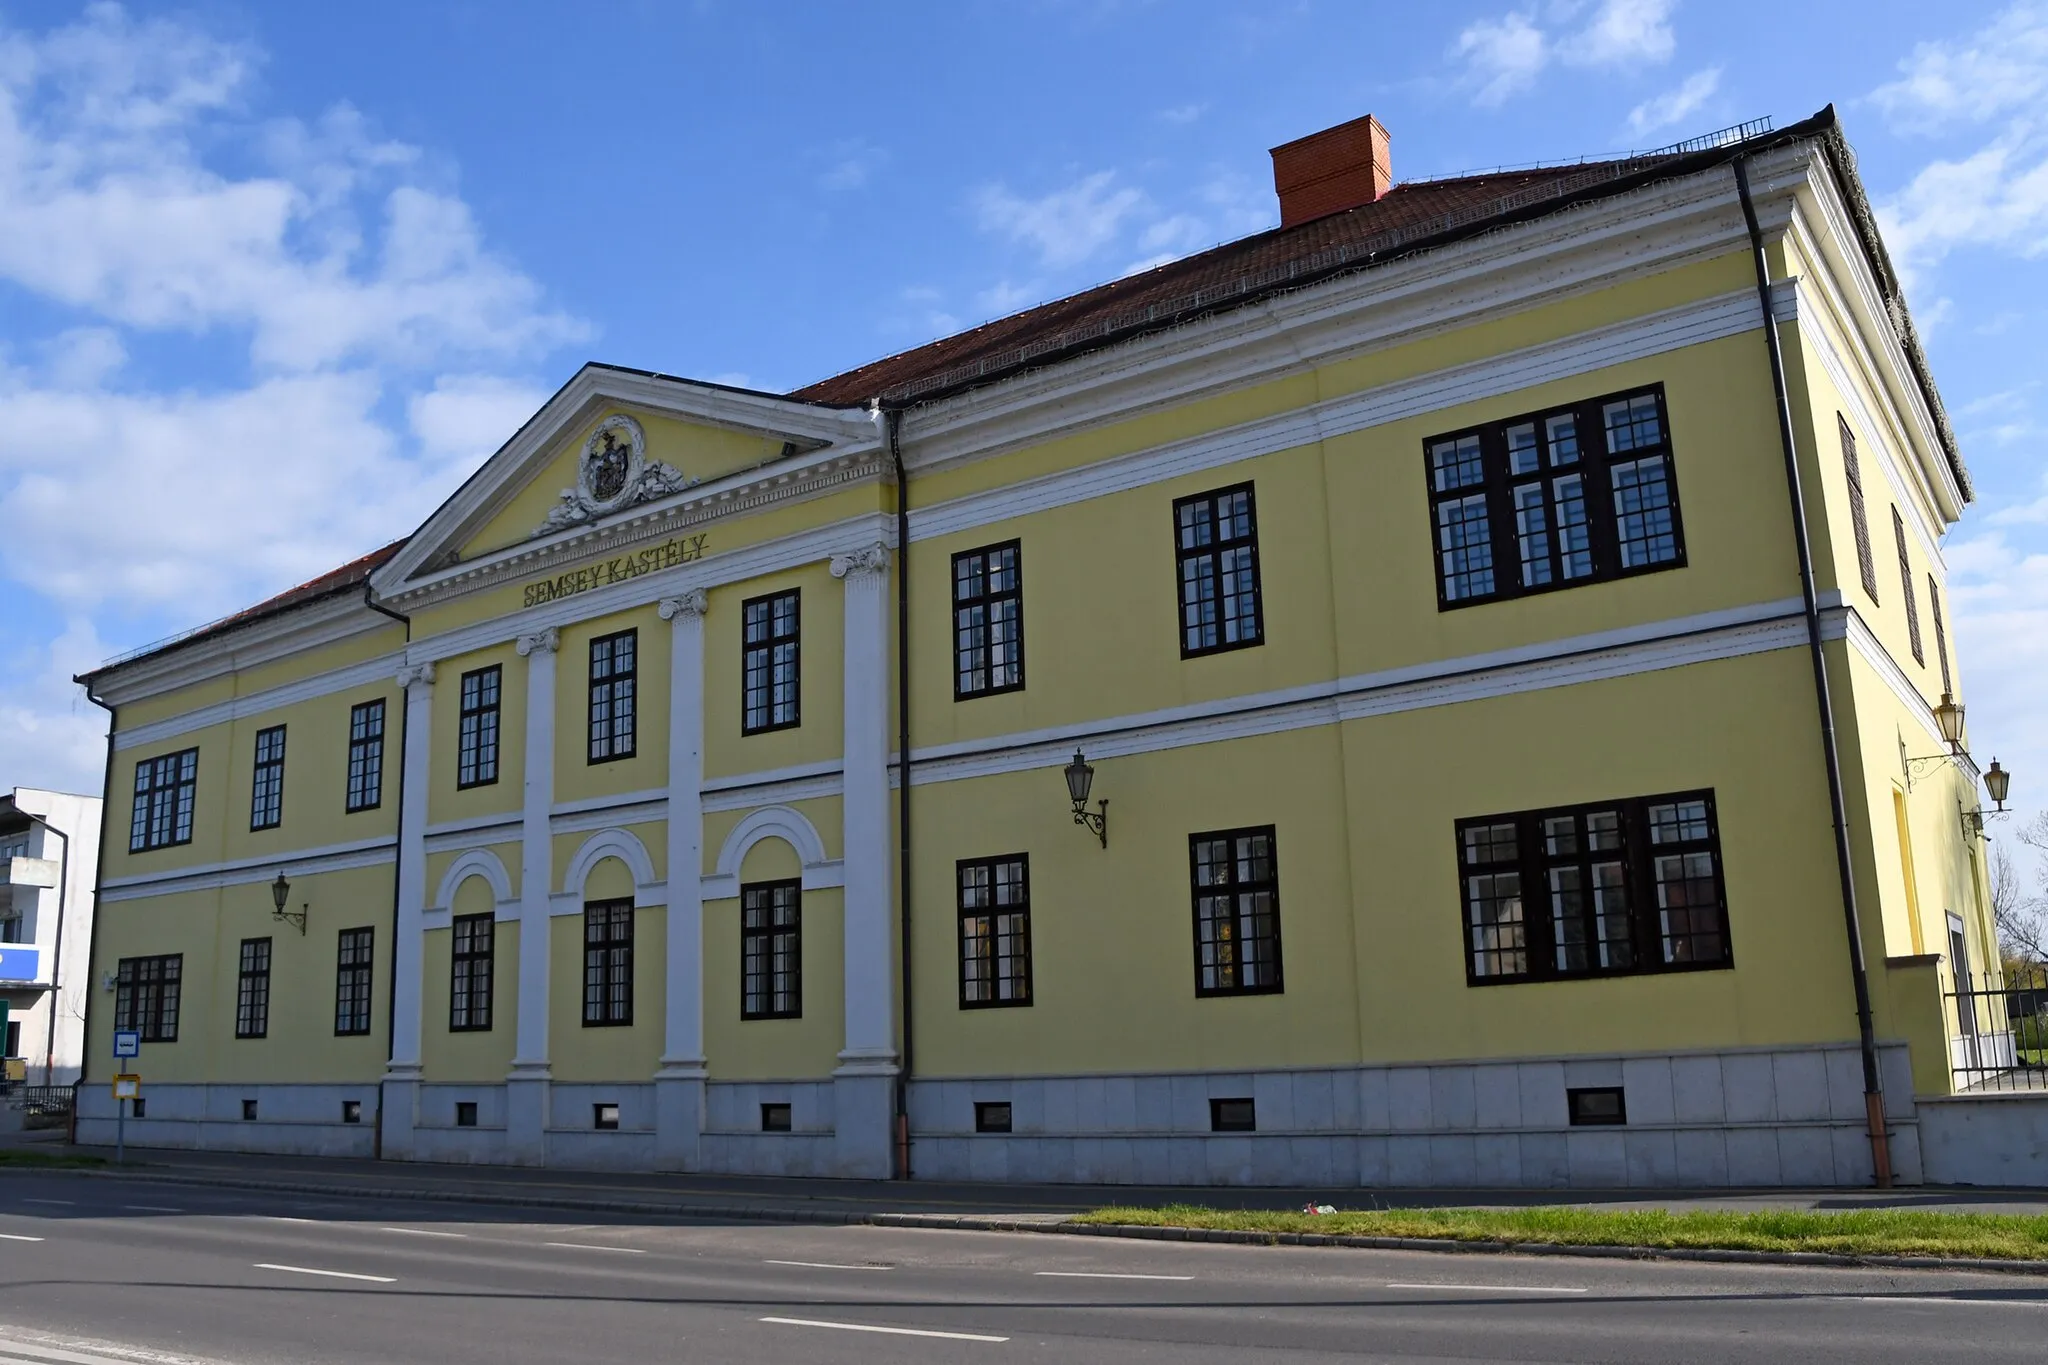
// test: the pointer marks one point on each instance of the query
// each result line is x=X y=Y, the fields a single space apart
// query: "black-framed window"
x=1236 y=880
x=1575 y=494
x=614 y=695
x=772 y=950
x=1906 y=589
x=163 y=801
x=988 y=621
x=252 y=990
x=607 y=964
x=995 y=931
x=1859 y=520
x=1597 y=1106
x=266 y=789
x=477 y=733
x=146 y=993
x=366 y=755
x=1940 y=632
x=1613 y=888
x=1216 y=553
x=769 y=663
x=473 y=941
x=353 y=961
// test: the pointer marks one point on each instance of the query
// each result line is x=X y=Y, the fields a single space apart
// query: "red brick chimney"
x=1339 y=168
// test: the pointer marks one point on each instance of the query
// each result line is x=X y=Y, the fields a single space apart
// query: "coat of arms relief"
x=613 y=473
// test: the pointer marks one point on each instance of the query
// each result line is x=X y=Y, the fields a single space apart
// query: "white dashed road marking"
x=892 y=1331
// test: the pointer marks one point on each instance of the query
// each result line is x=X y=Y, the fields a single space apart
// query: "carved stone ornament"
x=692 y=603
x=612 y=474
x=540 y=642
x=869 y=559
x=408 y=674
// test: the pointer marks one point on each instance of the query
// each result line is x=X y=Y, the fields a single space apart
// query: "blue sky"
x=274 y=278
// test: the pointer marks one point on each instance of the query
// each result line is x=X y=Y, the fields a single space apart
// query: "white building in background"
x=49 y=855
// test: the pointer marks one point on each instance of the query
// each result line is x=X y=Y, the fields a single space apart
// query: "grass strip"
x=14 y=1156
x=1855 y=1232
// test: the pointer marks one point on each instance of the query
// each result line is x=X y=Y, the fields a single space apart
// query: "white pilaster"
x=399 y=1109
x=865 y=1079
x=526 y=1097
x=679 y=1085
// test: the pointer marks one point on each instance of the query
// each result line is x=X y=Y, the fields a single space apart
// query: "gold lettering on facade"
x=619 y=568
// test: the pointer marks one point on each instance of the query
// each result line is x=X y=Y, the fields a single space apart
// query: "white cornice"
x=294 y=632
x=305 y=862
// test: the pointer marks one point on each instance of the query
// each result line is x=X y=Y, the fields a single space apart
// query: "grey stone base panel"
x=1767 y=1117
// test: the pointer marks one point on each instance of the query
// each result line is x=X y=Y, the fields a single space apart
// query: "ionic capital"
x=408 y=674
x=692 y=603
x=868 y=559
x=540 y=642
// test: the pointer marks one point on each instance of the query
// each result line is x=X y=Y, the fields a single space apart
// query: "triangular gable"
x=651 y=437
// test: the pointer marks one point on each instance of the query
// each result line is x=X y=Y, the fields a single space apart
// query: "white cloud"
x=463 y=419
x=1004 y=297
x=1503 y=57
x=1996 y=196
x=51 y=735
x=854 y=161
x=2001 y=68
x=1067 y=226
x=1999 y=596
x=1676 y=105
x=1182 y=114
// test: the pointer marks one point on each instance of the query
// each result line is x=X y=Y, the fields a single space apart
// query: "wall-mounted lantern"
x=1080 y=779
x=1948 y=719
x=280 y=892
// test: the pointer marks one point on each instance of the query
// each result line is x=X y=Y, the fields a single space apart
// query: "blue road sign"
x=127 y=1042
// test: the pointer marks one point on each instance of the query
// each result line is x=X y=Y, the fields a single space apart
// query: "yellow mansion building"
x=1342 y=708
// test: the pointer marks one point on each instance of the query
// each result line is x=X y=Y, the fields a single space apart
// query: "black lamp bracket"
x=1097 y=820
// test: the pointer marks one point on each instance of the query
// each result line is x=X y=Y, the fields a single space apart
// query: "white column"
x=864 y=1082
x=679 y=1085
x=399 y=1109
x=526 y=1088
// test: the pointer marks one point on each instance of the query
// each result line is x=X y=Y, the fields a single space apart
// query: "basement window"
x=604 y=1117
x=465 y=1113
x=351 y=1111
x=135 y=1107
x=992 y=1116
x=248 y=1110
x=774 y=1118
x=1233 y=1116
x=1597 y=1106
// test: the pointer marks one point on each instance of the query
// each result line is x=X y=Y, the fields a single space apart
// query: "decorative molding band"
x=774 y=788
x=1851 y=626
x=306 y=862
x=501 y=828
x=369 y=673
x=1693 y=324
x=652 y=811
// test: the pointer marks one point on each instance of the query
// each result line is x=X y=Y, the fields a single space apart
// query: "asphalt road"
x=94 y=1269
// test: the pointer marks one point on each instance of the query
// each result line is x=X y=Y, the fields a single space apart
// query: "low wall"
x=1986 y=1139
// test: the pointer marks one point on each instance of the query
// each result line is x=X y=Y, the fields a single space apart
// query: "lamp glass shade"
x=1080 y=778
x=280 y=890
x=1949 y=717
x=1997 y=781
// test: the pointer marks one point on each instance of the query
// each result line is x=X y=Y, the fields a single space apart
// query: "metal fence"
x=1999 y=1030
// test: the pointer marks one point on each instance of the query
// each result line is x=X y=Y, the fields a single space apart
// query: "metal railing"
x=1999 y=1030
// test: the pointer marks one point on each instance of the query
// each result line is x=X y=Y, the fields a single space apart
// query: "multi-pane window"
x=1906 y=589
x=266 y=792
x=163 y=801
x=995 y=931
x=352 y=961
x=252 y=990
x=1237 y=911
x=1609 y=889
x=607 y=963
x=1216 y=547
x=366 y=755
x=476 y=762
x=614 y=672
x=1940 y=632
x=472 y=944
x=1573 y=495
x=1859 y=521
x=769 y=663
x=771 y=950
x=988 y=621
x=146 y=996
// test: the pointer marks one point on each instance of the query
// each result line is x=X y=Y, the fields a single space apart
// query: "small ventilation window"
x=992 y=1116
x=465 y=1113
x=248 y=1109
x=351 y=1111
x=604 y=1116
x=1597 y=1106
x=1233 y=1116
x=774 y=1118
x=135 y=1107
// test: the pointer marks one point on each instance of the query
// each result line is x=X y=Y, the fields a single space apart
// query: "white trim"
x=305 y=862
x=1864 y=641
x=587 y=804
x=475 y=862
x=1652 y=334
x=611 y=843
x=774 y=786
x=461 y=833
x=291 y=634
x=777 y=822
x=380 y=670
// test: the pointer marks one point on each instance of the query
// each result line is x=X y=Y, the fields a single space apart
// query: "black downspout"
x=1873 y=1089
x=893 y=419
x=99 y=876
x=397 y=859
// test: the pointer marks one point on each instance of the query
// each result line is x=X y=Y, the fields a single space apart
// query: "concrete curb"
x=1061 y=1224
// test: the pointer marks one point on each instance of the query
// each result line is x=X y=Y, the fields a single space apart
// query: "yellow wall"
x=821 y=627
x=775 y=1049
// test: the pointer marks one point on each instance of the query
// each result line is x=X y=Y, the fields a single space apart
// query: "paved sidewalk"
x=774 y=1197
